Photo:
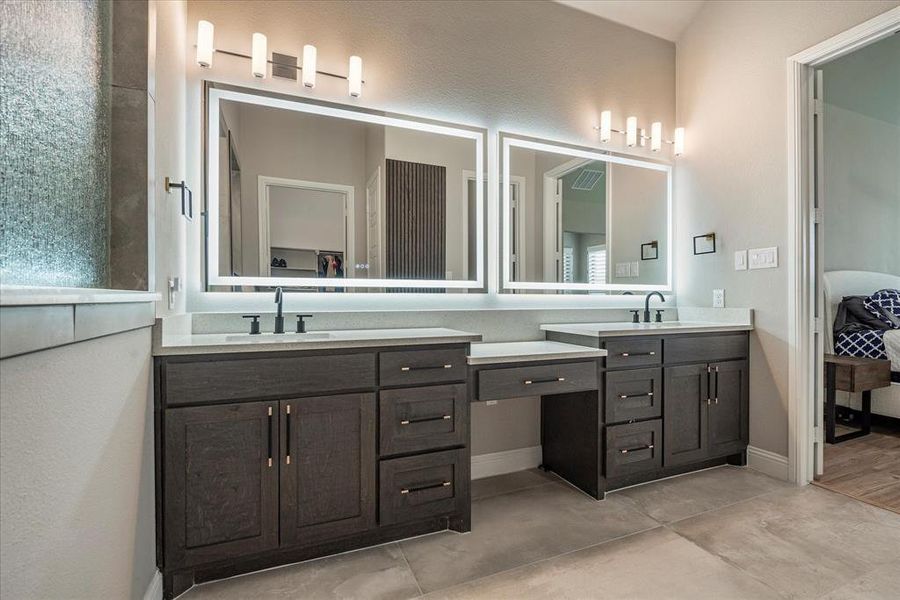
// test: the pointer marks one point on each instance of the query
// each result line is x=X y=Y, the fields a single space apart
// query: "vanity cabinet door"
x=729 y=429
x=328 y=467
x=220 y=488
x=685 y=413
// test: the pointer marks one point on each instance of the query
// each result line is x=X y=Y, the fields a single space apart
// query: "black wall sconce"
x=187 y=198
x=650 y=250
x=705 y=244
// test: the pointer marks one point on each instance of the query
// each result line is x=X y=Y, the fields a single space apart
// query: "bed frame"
x=836 y=285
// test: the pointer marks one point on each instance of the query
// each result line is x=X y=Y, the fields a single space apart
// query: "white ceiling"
x=663 y=18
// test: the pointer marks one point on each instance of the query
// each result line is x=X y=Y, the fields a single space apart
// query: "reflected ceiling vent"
x=587 y=179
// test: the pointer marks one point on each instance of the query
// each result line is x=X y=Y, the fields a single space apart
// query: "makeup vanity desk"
x=278 y=449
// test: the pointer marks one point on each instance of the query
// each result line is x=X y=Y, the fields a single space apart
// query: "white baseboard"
x=774 y=465
x=155 y=589
x=510 y=461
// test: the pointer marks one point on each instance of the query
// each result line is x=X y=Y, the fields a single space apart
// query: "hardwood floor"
x=867 y=468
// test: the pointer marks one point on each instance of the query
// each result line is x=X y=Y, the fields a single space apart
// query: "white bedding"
x=892 y=347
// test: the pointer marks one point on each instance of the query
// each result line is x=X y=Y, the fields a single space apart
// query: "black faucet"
x=647 y=305
x=279 y=317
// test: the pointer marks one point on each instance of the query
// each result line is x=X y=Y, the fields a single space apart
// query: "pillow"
x=885 y=304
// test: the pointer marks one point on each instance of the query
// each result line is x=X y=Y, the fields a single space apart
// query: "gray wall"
x=76 y=470
x=732 y=100
x=862 y=146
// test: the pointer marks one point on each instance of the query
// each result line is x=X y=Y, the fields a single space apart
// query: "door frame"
x=262 y=200
x=552 y=241
x=804 y=305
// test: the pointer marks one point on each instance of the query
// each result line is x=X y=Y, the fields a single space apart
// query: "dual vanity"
x=272 y=450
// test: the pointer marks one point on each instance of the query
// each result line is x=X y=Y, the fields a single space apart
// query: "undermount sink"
x=270 y=338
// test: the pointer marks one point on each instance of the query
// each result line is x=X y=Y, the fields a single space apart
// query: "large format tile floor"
x=722 y=534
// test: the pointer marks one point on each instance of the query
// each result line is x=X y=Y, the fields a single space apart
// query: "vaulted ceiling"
x=663 y=18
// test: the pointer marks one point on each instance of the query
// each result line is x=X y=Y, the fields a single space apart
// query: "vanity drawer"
x=417 y=419
x=414 y=367
x=423 y=486
x=538 y=380
x=706 y=348
x=266 y=377
x=633 y=352
x=633 y=394
x=633 y=448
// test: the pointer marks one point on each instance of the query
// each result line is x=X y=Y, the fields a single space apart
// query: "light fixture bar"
x=273 y=62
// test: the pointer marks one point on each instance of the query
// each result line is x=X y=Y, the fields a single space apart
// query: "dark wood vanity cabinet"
x=273 y=457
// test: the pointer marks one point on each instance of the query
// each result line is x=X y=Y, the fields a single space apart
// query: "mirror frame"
x=508 y=141
x=216 y=93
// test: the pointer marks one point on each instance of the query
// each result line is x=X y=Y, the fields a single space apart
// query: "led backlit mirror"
x=575 y=219
x=325 y=198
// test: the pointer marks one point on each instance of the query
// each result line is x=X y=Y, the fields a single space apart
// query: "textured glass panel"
x=54 y=143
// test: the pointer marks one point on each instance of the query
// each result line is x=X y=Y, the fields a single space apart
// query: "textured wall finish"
x=54 y=143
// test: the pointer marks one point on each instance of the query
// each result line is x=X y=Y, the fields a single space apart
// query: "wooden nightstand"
x=852 y=374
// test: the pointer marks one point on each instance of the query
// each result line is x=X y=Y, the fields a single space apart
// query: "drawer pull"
x=425 y=368
x=270 y=437
x=627 y=354
x=626 y=396
x=425 y=487
x=551 y=380
x=426 y=419
x=627 y=450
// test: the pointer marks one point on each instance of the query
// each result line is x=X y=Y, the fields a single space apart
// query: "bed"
x=870 y=344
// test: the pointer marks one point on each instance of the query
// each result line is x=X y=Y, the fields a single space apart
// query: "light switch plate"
x=718 y=298
x=740 y=260
x=623 y=270
x=635 y=269
x=763 y=258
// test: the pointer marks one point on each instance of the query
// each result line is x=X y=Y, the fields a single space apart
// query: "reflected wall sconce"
x=283 y=65
x=635 y=137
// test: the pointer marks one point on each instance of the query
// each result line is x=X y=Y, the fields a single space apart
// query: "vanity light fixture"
x=605 y=126
x=259 y=61
x=656 y=136
x=633 y=136
x=204 y=43
x=679 y=141
x=631 y=132
x=354 y=77
x=309 y=66
x=283 y=65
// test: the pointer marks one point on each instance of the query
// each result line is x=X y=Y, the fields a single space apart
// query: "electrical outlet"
x=763 y=258
x=174 y=286
x=491 y=403
x=718 y=298
x=740 y=260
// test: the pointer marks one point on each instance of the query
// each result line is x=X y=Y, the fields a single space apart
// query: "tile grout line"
x=411 y=572
x=729 y=505
x=522 y=489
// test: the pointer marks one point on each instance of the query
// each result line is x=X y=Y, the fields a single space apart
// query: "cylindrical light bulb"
x=656 y=136
x=204 y=43
x=309 y=66
x=605 y=126
x=259 y=60
x=631 y=132
x=354 y=77
x=678 y=142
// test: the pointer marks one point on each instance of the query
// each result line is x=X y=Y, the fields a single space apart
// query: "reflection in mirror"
x=577 y=220
x=329 y=202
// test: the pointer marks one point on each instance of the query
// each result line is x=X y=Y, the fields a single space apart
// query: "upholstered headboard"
x=838 y=284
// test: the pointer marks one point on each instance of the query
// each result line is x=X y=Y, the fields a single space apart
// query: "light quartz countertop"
x=21 y=295
x=216 y=343
x=510 y=352
x=626 y=329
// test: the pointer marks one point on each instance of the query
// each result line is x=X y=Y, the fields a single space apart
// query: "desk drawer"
x=633 y=352
x=267 y=377
x=633 y=448
x=539 y=380
x=423 y=486
x=416 y=367
x=417 y=419
x=633 y=394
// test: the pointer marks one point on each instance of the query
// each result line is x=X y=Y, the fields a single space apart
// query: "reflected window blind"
x=596 y=257
x=568 y=265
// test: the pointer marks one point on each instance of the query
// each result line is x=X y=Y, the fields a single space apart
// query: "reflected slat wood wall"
x=415 y=221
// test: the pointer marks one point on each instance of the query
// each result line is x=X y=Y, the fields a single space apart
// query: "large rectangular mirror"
x=578 y=220
x=325 y=198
